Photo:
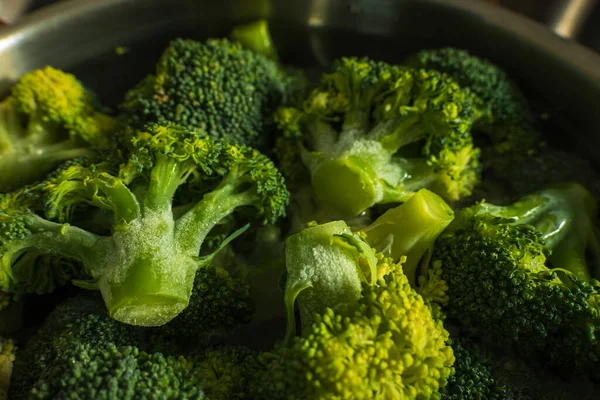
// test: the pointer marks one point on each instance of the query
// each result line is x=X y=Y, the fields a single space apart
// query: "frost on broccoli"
x=146 y=267
x=48 y=118
x=373 y=133
x=522 y=275
x=365 y=332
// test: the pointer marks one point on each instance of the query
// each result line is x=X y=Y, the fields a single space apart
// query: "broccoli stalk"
x=48 y=118
x=410 y=230
x=358 y=130
x=531 y=263
x=146 y=268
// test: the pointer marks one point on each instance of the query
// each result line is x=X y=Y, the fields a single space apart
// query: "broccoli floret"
x=363 y=336
x=48 y=118
x=358 y=130
x=526 y=173
x=146 y=268
x=521 y=276
x=473 y=377
x=216 y=86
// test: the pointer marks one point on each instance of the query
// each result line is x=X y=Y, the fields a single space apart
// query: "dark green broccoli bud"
x=501 y=102
x=473 y=377
x=90 y=371
x=520 y=276
x=48 y=118
x=218 y=305
x=146 y=267
x=227 y=372
x=355 y=129
x=366 y=332
x=217 y=87
x=256 y=37
x=81 y=352
x=410 y=230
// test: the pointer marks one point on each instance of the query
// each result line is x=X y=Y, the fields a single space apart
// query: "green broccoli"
x=473 y=377
x=218 y=305
x=82 y=353
x=521 y=275
x=145 y=269
x=217 y=87
x=365 y=332
x=526 y=173
x=48 y=118
x=256 y=36
x=501 y=103
x=7 y=358
x=358 y=130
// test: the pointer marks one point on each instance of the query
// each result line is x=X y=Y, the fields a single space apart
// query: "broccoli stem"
x=410 y=229
x=29 y=163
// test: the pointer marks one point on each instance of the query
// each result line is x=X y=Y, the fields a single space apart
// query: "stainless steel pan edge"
x=81 y=36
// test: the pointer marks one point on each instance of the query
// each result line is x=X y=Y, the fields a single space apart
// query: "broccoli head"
x=218 y=305
x=146 y=267
x=7 y=357
x=521 y=275
x=48 y=118
x=374 y=133
x=365 y=332
x=80 y=352
x=217 y=87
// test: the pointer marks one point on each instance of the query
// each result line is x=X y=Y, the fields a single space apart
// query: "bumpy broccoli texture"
x=520 y=275
x=48 y=118
x=242 y=231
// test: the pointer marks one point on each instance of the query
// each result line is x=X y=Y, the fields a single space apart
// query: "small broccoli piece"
x=217 y=87
x=7 y=357
x=473 y=377
x=146 y=267
x=504 y=283
x=227 y=372
x=410 y=230
x=355 y=131
x=82 y=353
x=363 y=337
x=218 y=305
x=48 y=118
